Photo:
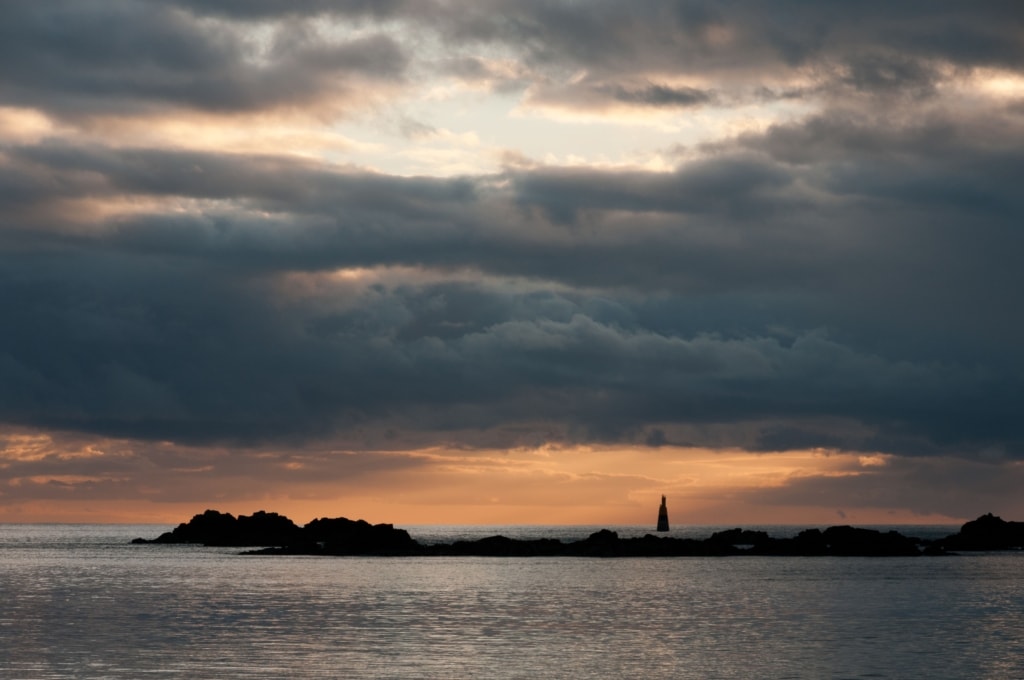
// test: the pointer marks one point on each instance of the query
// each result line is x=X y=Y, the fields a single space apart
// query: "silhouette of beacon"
x=663 y=516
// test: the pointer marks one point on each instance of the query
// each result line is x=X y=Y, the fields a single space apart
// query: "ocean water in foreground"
x=78 y=601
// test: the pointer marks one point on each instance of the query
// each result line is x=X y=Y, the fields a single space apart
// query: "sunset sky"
x=512 y=261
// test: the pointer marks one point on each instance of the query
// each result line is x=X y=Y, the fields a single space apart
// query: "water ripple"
x=103 y=609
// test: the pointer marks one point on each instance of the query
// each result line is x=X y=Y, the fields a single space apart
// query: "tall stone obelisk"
x=663 y=516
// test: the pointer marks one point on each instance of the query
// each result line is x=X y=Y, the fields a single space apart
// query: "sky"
x=512 y=261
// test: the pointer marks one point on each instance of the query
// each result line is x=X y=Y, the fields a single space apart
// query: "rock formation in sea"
x=338 y=536
x=663 y=516
x=224 y=529
x=988 y=532
x=341 y=536
x=276 y=534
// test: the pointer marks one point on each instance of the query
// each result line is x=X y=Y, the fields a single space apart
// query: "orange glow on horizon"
x=551 y=485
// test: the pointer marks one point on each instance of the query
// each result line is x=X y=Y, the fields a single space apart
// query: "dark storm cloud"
x=278 y=184
x=659 y=95
x=886 y=73
x=926 y=486
x=271 y=9
x=80 y=57
x=847 y=280
x=165 y=350
x=590 y=94
x=76 y=58
x=869 y=47
x=737 y=222
x=697 y=297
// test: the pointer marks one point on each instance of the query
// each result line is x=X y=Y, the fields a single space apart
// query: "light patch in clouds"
x=17 y=446
x=876 y=460
x=26 y=125
x=996 y=83
x=62 y=482
x=282 y=136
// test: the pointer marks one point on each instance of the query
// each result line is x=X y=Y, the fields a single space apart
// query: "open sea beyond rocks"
x=80 y=601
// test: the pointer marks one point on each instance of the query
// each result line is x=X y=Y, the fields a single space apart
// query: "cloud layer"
x=834 y=263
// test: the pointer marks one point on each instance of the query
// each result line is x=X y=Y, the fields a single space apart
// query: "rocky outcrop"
x=338 y=536
x=276 y=534
x=341 y=536
x=988 y=532
x=223 y=529
x=842 y=541
x=605 y=543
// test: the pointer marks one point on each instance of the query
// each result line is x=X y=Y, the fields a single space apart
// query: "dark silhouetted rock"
x=988 y=532
x=223 y=529
x=807 y=542
x=740 y=537
x=847 y=540
x=843 y=541
x=603 y=543
x=341 y=536
x=278 y=535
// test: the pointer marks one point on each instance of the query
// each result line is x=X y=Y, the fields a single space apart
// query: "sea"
x=80 y=601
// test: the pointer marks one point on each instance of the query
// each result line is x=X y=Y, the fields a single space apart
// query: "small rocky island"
x=275 y=534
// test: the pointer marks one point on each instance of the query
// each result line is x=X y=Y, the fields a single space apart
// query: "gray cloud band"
x=670 y=304
x=229 y=56
x=844 y=268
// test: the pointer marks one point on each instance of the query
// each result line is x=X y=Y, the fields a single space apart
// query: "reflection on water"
x=79 y=602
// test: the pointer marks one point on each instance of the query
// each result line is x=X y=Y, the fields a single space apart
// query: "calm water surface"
x=78 y=601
